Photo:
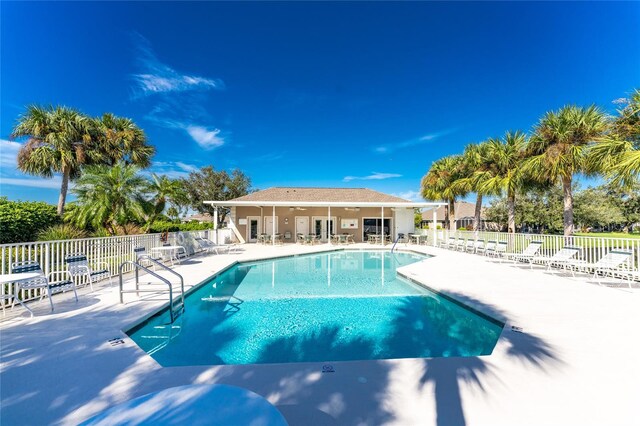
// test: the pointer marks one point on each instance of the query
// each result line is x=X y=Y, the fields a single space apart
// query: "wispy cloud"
x=206 y=138
x=9 y=153
x=383 y=149
x=172 y=169
x=409 y=195
x=372 y=176
x=53 y=183
x=157 y=77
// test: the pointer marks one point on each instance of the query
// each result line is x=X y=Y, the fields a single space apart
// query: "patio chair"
x=78 y=267
x=142 y=256
x=559 y=258
x=460 y=243
x=300 y=239
x=610 y=263
x=470 y=246
x=498 y=249
x=42 y=282
x=527 y=254
x=486 y=248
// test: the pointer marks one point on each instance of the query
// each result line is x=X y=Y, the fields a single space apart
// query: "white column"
x=434 y=225
x=382 y=226
x=273 y=226
x=329 y=225
x=215 y=224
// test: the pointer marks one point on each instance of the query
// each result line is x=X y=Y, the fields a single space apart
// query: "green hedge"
x=161 y=226
x=21 y=221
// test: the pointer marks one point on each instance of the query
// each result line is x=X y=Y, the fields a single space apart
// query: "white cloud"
x=157 y=77
x=9 y=153
x=373 y=176
x=172 y=169
x=412 y=142
x=206 y=138
x=53 y=183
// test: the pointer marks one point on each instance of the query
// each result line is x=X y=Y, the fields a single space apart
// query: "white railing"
x=593 y=248
x=110 y=250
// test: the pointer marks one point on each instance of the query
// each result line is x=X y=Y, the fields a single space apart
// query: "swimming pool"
x=336 y=306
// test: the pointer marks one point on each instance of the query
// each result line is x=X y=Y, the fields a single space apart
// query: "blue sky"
x=311 y=94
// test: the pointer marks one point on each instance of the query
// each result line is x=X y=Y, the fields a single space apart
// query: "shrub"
x=469 y=227
x=21 y=221
x=61 y=232
x=162 y=226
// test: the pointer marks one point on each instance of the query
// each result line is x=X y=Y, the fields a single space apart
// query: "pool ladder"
x=176 y=307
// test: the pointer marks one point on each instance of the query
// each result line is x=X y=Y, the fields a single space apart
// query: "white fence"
x=593 y=248
x=110 y=250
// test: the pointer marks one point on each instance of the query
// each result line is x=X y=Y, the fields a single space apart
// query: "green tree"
x=59 y=141
x=162 y=190
x=439 y=185
x=559 y=146
x=109 y=197
x=617 y=155
x=503 y=173
x=120 y=139
x=21 y=221
x=595 y=207
x=208 y=184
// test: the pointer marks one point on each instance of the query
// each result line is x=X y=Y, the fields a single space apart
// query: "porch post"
x=435 y=227
x=273 y=227
x=382 y=240
x=329 y=225
x=215 y=224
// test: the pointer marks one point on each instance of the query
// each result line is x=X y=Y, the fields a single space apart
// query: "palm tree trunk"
x=63 y=190
x=476 y=219
x=568 y=206
x=452 y=215
x=446 y=216
x=511 y=211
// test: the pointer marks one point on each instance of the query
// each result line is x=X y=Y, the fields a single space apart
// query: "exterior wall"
x=286 y=219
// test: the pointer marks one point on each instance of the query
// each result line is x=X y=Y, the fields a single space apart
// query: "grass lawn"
x=607 y=234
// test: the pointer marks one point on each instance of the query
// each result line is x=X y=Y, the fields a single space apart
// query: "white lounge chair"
x=449 y=243
x=610 y=263
x=52 y=287
x=527 y=254
x=560 y=258
x=485 y=249
x=460 y=244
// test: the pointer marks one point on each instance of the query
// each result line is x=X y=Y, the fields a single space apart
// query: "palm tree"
x=162 y=189
x=120 y=139
x=59 y=141
x=109 y=197
x=475 y=162
x=439 y=184
x=503 y=173
x=617 y=155
x=558 y=149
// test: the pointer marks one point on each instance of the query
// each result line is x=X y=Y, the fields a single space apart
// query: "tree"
x=595 y=207
x=22 y=220
x=559 y=146
x=109 y=197
x=617 y=155
x=120 y=139
x=503 y=173
x=475 y=163
x=207 y=184
x=439 y=184
x=59 y=141
x=162 y=190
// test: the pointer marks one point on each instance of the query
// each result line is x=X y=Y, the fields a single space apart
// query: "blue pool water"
x=337 y=306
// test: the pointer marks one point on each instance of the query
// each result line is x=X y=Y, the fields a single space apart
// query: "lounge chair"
x=78 y=267
x=486 y=248
x=498 y=249
x=460 y=243
x=527 y=254
x=559 y=258
x=610 y=263
x=41 y=282
x=470 y=246
x=449 y=243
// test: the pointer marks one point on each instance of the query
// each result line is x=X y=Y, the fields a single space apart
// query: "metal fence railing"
x=592 y=248
x=110 y=250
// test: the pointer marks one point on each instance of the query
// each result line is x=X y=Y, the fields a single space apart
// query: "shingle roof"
x=298 y=194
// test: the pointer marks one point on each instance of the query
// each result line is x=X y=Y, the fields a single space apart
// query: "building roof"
x=462 y=210
x=321 y=195
x=304 y=196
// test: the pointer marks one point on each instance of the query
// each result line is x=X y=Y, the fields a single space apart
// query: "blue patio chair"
x=41 y=282
x=78 y=267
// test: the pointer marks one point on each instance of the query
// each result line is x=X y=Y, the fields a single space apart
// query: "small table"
x=17 y=279
x=418 y=237
x=194 y=405
x=172 y=250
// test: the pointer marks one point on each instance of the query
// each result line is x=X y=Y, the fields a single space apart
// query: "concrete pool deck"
x=572 y=361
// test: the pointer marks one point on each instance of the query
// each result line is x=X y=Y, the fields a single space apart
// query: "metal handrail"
x=137 y=266
x=165 y=267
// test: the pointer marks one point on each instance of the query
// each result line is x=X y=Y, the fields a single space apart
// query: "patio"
x=567 y=355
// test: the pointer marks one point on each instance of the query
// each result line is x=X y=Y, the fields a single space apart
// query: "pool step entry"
x=176 y=305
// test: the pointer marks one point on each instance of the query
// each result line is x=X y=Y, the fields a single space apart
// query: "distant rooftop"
x=300 y=194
